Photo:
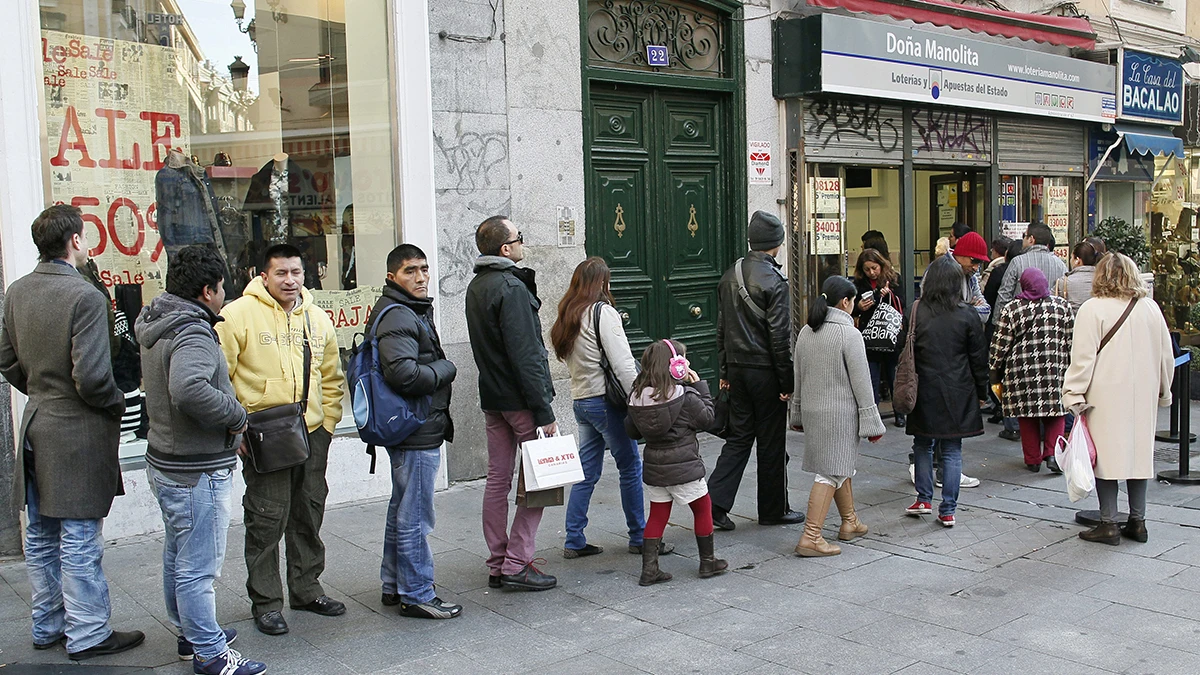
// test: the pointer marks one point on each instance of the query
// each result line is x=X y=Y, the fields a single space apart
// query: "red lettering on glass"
x=160 y=138
x=114 y=162
x=71 y=125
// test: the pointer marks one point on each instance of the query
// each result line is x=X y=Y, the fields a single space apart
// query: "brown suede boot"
x=812 y=544
x=650 y=573
x=852 y=527
x=710 y=565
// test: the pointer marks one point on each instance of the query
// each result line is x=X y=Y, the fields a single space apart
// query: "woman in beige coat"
x=1118 y=385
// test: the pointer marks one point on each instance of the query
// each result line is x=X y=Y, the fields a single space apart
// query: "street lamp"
x=240 y=72
x=239 y=14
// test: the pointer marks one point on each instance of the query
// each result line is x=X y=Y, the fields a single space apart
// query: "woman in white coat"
x=1121 y=367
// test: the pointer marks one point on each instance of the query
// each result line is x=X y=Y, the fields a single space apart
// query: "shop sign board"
x=1121 y=165
x=760 y=163
x=113 y=109
x=828 y=193
x=1151 y=88
x=870 y=58
x=827 y=236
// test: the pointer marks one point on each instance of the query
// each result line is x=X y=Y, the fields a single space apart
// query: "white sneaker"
x=964 y=481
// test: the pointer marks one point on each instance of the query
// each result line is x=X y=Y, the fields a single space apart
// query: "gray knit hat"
x=765 y=231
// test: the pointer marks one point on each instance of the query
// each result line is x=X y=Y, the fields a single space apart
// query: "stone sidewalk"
x=1010 y=589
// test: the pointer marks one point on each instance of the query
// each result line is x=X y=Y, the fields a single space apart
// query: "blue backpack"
x=383 y=417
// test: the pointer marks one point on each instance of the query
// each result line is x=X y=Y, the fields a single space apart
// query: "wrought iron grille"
x=618 y=32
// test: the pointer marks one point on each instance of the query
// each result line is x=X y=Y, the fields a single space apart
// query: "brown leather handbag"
x=904 y=385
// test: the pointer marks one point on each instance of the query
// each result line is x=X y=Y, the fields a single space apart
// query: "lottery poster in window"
x=827 y=236
x=113 y=110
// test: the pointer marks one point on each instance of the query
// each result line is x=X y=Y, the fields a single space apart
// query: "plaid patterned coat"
x=1031 y=351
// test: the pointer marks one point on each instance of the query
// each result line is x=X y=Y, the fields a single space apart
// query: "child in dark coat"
x=668 y=405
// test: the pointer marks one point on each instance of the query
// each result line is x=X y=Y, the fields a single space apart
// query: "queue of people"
x=261 y=379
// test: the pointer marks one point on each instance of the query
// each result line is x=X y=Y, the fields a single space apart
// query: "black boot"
x=1135 y=529
x=710 y=565
x=1104 y=533
x=650 y=573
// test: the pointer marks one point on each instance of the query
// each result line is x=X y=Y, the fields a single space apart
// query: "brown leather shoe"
x=1104 y=533
x=1135 y=529
x=651 y=574
x=710 y=564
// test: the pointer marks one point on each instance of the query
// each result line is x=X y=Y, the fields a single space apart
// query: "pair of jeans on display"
x=951 y=453
x=407 y=567
x=602 y=426
x=196 y=520
x=69 y=592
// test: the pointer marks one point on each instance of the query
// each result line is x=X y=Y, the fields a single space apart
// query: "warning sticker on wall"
x=760 y=163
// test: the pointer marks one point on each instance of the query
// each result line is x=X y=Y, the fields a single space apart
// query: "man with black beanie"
x=754 y=358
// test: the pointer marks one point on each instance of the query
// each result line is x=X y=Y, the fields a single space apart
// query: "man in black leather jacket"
x=413 y=364
x=754 y=354
x=515 y=392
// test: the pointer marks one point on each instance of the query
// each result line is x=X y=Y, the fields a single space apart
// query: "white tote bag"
x=550 y=462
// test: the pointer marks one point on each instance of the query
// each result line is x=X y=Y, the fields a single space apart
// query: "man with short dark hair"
x=957 y=231
x=1039 y=253
x=754 y=355
x=515 y=392
x=54 y=348
x=414 y=365
x=196 y=423
x=264 y=336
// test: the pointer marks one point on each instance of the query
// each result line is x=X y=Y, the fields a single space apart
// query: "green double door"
x=658 y=210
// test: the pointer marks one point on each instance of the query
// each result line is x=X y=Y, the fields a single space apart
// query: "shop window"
x=235 y=125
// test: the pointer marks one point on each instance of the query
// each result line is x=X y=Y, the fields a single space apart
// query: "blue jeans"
x=600 y=426
x=407 y=567
x=951 y=451
x=70 y=593
x=196 y=520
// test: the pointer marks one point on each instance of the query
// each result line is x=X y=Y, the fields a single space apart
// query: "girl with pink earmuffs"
x=668 y=404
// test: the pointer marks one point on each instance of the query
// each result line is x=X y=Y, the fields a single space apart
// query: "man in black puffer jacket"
x=754 y=354
x=413 y=364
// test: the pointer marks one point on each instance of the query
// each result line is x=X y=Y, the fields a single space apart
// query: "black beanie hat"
x=765 y=231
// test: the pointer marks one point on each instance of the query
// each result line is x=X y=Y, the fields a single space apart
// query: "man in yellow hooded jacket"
x=262 y=335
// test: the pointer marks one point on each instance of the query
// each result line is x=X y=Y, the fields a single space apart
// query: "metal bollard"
x=1183 y=420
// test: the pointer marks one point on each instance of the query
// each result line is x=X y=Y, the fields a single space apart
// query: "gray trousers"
x=1106 y=490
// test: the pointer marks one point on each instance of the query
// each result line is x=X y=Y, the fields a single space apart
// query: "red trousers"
x=1039 y=435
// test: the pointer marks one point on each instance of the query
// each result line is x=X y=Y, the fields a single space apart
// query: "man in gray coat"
x=196 y=424
x=54 y=348
x=1039 y=253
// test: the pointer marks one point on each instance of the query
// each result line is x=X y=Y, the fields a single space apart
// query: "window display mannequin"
x=186 y=211
x=283 y=204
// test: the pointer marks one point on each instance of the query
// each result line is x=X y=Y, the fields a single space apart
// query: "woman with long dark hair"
x=835 y=406
x=1076 y=286
x=950 y=357
x=874 y=279
x=575 y=341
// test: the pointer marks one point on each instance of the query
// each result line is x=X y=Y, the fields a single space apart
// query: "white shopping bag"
x=550 y=462
x=1075 y=456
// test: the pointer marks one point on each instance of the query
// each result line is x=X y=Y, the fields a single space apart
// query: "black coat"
x=506 y=339
x=950 y=355
x=863 y=286
x=413 y=363
x=743 y=339
x=672 y=454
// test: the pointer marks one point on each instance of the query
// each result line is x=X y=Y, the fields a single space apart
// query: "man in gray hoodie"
x=195 y=427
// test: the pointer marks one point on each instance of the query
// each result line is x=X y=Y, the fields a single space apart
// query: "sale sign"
x=113 y=110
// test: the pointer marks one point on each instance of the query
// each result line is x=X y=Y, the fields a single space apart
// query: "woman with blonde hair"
x=1121 y=367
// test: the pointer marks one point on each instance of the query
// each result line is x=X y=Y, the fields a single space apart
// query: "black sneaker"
x=529 y=578
x=434 y=609
x=186 y=652
x=229 y=663
x=588 y=549
x=389 y=599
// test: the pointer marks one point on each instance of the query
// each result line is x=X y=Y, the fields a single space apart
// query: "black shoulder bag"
x=278 y=436
x=614 y=393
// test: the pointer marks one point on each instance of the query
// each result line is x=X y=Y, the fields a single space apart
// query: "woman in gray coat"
x=834 y=404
